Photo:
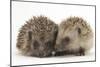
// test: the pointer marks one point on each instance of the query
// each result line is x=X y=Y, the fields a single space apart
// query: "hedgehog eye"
x=66 y=40
x=35 y=44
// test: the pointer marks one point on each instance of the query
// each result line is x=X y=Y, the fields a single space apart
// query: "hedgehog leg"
x=81 y=52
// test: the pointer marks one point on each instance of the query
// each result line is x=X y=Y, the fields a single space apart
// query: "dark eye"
x=35 y=44
x=66 y=41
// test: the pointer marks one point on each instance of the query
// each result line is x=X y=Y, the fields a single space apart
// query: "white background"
x=5 y=46
x=22 y=11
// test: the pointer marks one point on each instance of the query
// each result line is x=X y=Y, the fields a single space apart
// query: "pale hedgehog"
x=37 y=37
x=75 y=36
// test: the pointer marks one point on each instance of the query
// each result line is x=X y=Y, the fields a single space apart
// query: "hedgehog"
x=37 y=37
x=75 y=37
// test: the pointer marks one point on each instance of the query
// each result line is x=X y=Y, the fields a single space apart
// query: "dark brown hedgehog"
x=75 y=36
x=37 y=37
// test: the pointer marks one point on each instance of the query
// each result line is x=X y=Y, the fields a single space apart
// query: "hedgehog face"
x=41 y=46
x=42 y=49
x=67 y=39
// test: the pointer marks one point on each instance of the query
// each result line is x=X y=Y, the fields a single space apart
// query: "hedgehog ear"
x=79 y=30
x=29 y=35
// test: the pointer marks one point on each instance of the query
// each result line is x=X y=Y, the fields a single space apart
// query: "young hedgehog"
x=37 y=37
x=75 y=37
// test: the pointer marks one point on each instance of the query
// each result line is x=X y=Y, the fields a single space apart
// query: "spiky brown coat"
x=37 y=37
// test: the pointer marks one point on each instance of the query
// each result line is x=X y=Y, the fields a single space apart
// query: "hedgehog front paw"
x=81 y=52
